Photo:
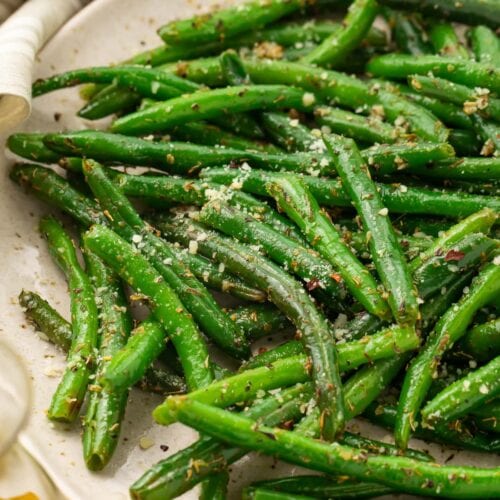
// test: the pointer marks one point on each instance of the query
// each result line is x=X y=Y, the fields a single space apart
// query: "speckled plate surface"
x=106 y=31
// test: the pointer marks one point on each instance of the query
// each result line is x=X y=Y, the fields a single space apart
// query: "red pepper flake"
x=312 y=284
x=336 y=277
x=454 y=255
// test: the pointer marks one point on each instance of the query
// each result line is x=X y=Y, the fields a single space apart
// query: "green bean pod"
x=291 y=298
x=105 y=410
x=211 y=104
x=445 y=41
x=346 y=38
x=386 y=252
x=402 y=473
x=457 y=70
x=192 y=293
x=485 y=45
x=482 y=342
x=450 y=328
x=138 y=273
x=408 y=33
x=464 y=395
x=294 y=198
x=299 y=260
x=398 y=198
x=70 y=393
x=353 y=125
x=287 y=132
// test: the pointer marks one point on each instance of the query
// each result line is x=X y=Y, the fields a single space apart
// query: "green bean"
x=175 y=157
x=450 y=328
x=259 y=320
x=345 y=39
x=386 y=252
x=58 y=331
x=322 y=487
x=408 y=34
x=358 y=127
x=291 y=298
x=287 y=132
x=192 y=293
x=330 y=85
x=397 y=198
x=487 y=169
x=135 y=270
x=297 y=259
x=31 y=147
x=68 y=398
x=457 y=70
x=227 y=22
x=489 y=132
x=440 y=270
x=445 y=41
x=105 y=410
x=482 y=342
x=211 y=135
x=466 y=11
x=464 y=142
x=478 y=222
x=485 y=45
x=252 y=493
x=147 y=82
x=46 y=319
x=183 y=470
x=51 y=187
x=475 y=100
x=215 y=487
x=487 y=417
x=454 y=435
x=380 y=345
x=449 y=114
x=211 y=104
x=294 y=198
x=212 y=275
x=404 y=474
x=463 y=395
x=109 y=100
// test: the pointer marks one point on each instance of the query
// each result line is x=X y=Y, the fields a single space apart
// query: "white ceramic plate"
x=106 y=31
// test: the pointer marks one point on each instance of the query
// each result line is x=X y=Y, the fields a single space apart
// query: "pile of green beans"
x=309 y=211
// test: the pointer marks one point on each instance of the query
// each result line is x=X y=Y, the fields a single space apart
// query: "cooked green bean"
x=58 y=331
x=346 y=38
x=322 y=487
x=297 y=259
x=289 y=296
x=488 y=132
x=192 y=293
x=105 y=409
x=398 y=198
x=46 y=319
x=408 y=33
x=228 y=22
x=445 y=41
x=458 y=436
x=211 y=104
x=386 y=253
x=368 y=130
x=404 y=474
x=183 y=470
x=167 y=308
x=485 y=45
x=478 y=222
x=450 y=328
x=470 y=73
x=477 y=100
x=482 y=342
x=70 y=392
x=329 y=85
x=466 y=11
x=465 y=394
x=288 y=133
x=294 y=198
